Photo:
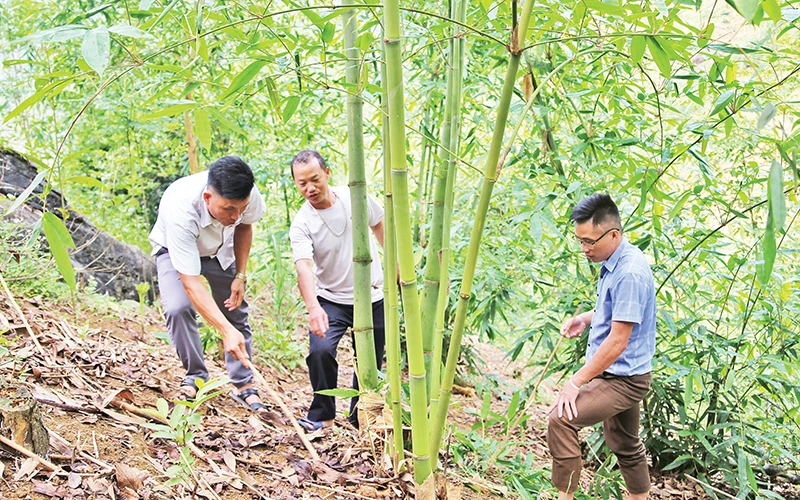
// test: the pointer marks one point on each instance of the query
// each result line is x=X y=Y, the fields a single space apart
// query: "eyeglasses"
x=590 y=243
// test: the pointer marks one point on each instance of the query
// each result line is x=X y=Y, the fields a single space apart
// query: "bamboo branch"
x=24 y=319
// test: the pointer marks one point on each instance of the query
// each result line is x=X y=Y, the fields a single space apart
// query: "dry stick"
x=28 y=453
x=24 y=319
x=275 y=397
x=717 y=490
x=546 y=366
x=82 y=454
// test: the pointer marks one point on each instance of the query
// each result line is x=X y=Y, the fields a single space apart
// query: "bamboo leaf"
x=202 y=127
x=679 y=205
x=777 y=200
x=772 y=9
x=25 y=194
x=170 y=111
x=768 y=252
x=659 y=56
x=661 y=6
x=226 y=122
x=638 y=44
x=339 y=393
x=59 y=239
x=96 y=49
x=56 y=87
x=86 y=181
x=327 y=32
x=722 y=101
x=163 y=14
x=128 y=30
x=291 y=105
x=767 y=114
x=243 y=78
x=58 y=34
x=747 y=8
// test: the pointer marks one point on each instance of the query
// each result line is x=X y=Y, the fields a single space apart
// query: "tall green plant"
x=405 y=251
x=363 y=331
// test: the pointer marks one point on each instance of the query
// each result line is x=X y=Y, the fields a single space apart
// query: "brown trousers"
x=614 y=401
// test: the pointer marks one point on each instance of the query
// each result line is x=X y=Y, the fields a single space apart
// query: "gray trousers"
x=182 y=324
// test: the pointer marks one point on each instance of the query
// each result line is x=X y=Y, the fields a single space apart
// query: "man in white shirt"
x=322 y=246
x=204 y=227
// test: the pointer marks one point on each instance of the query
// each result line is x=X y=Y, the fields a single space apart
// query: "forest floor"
x=91 y=371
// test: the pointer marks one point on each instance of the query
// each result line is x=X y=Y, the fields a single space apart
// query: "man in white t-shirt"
x=204 y=227
x=322 y=245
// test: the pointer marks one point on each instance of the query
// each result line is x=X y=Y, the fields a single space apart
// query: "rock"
x=115 y=267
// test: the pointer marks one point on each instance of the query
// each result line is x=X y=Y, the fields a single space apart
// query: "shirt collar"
x=205 y=217
x=610 y=263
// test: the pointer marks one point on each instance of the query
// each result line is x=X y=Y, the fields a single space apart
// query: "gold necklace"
x=339 y=234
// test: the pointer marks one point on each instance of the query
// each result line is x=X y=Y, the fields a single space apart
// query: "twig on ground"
x=82 y=454
x=277 y=399
x=21 y=314
x=28 y=453
x=716 y=490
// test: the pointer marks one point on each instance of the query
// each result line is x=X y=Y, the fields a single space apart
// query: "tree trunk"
x=20 y=417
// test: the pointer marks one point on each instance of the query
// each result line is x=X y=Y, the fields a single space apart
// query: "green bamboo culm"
x=390 y=303
x=366 y=364
x=454 y=101
x=489 y=178
x=431 y=285
x=397 y=143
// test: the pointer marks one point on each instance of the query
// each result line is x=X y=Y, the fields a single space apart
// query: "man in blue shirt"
x=616 y=375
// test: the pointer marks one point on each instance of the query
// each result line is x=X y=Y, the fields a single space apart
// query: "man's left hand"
x=565 y=403
x=237 y=295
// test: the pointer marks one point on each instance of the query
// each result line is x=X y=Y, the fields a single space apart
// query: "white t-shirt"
x=189 y=232
x=333 y=255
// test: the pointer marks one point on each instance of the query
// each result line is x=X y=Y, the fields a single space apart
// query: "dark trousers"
x=323 y=369
x=614 y=401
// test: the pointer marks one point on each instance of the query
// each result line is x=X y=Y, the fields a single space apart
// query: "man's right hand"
x=573 y=326
x=318 y=321
x=235 y=346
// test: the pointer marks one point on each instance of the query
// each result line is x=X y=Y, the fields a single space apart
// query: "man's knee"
x=320 y=352
x=628 y=452
x=174 y=309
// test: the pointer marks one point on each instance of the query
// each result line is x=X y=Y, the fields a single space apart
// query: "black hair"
x=231 y=178
x=599 y=208
x=306 y=156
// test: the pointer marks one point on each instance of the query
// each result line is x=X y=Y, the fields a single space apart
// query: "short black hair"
x=305 y=156
x=231 y=178
x=599 y=208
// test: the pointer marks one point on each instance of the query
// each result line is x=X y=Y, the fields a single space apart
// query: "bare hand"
x=235 y=346
x=573 y=327
x=237 y=295
x=565 y=403
x=318 y=321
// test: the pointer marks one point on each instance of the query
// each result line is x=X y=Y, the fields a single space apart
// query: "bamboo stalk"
x=493 y=163
x=408 y=279
x=390 y=303
x=443 y=295
x=363 y=333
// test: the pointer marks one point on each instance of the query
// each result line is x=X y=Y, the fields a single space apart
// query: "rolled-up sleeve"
x=629 y=298
x=374 y=211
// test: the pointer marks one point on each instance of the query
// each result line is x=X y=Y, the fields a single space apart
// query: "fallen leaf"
x=44 y=488
x=27 y=470
x=74 y=480
x=230 y=460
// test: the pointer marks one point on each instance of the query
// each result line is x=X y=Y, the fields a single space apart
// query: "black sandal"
x=242 y=399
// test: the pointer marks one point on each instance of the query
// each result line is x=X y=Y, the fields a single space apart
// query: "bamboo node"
x=424 y=458
x=464 y=296
x=431 y=282
x=388 y=40
x=417 y=377
x=358 y=330
x=357 y=183
x=356 y=259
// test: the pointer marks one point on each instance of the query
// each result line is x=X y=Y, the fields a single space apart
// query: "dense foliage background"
x=686 y=112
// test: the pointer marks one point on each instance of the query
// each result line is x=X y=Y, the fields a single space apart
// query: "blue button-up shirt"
x=626 y=292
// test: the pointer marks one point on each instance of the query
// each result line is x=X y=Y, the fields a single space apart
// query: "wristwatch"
x=241 y=276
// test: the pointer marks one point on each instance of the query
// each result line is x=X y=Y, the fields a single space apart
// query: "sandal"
x=186 y=392
x=310 y=425
x=241 y=398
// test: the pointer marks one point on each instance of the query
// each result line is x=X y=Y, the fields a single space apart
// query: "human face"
x=597 y=242
x=227 y=212
x=312 y=182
